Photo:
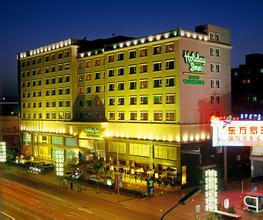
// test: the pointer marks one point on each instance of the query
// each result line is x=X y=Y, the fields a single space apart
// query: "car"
x=94 y=178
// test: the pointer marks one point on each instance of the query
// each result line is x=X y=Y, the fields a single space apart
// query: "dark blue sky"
x=30 y=24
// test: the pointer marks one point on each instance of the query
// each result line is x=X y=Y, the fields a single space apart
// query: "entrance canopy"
x=228 y=132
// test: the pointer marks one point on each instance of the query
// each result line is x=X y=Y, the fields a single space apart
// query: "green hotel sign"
x=193 y=80
x=195 y=61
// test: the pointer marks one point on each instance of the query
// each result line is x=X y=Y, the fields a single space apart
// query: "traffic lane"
x=41 y=204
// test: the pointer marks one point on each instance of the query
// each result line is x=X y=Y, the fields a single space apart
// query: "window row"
x=47 y=115
x=60 y=91
x=142 y=116
x=52 y=80
x=60 y=103
x=214 y=67
x=143 y=52
x=51 y=57
x=214 y=51
x=214 y=36
x=215 y=83
x=143 y=100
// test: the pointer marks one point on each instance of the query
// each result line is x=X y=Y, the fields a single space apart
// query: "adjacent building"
x=145 y=102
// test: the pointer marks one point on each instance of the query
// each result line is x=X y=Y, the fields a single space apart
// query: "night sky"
x=30 y=24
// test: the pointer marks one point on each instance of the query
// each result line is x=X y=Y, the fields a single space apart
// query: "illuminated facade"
x=144 y=99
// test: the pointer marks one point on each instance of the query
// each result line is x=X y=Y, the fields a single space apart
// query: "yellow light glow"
x=166 y=35
x=142 y=40
x=205 y=38
x=82 y=55
x=191 y=138
x=135 y=42
x=188 y=34
x=164 y=138
x=117 y=134
x=202 y=135
x=158 y=37
x=208 y=136
x=150 y=38
x=178 y=139
x=197 y=137
x=150 y=137
x=157 y=138
x=128 y=43
x=182 y=33
x=120 y=44
x=170 y=138
x=185 y=137
x=200 y=37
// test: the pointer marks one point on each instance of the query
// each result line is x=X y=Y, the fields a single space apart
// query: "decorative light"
x=200 y=37
x=182 y=33
x=185 y=138
x=120 y=45
x=194 y=35
x=65 y=43
x=61 y=43
x=69 y=41
x=197 y=137
x=128 y=43
x=178 y=139
x=188 y=34
x=135 y=42
x=89 y=53
x=142 y=40
x=191 y=138
x=175 y=33
x=2 y=151
x=166 y=35
x=211 y=193
x=82 y=55
x=59 y=162
x=164 y=138
x=57 y=45
x=49 y=47
x=170 y=139
x=205 y=38
x=45 y=48
x=150 y=38
x=202 y=135
x=158 y=37
x=53 y=46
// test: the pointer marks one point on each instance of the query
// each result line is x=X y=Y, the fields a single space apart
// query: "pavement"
x=158 y=204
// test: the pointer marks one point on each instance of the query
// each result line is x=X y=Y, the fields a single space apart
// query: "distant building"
x=9 y=125
x=146 y=101
x=247 y=81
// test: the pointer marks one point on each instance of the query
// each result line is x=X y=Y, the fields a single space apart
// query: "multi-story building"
x=145 y=102
x=246 y=81
x=9 y=125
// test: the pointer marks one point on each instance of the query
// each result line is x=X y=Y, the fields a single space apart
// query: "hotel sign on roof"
x=237 y=133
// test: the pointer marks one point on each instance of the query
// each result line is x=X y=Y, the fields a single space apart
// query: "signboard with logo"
x=237 y=133
x=92 y=131
x=196 y=64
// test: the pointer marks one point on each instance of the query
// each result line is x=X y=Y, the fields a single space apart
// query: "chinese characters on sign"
x=237 y=133
x=211 y=190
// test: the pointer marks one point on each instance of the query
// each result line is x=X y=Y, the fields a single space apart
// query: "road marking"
x=7 y=215
x=86 y=210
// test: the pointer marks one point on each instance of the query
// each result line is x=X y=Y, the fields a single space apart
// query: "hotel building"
x=145 y=102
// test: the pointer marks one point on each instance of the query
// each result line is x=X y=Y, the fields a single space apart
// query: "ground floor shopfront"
x=134 y=147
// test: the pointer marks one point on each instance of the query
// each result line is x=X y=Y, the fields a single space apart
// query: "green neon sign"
x=194 y=80
x=195 y=61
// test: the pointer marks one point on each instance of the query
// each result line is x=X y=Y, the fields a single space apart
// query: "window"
x=67 y=115
x=60 y=91
x=144 y=100
x=52 y=57
x=97 y=62
x=143 y=52
x=88 y=76
x=111 y=115
x=34 y=105
x=28 y=94
x=81 y=65
x=66 y=54
x=81 y=103
x=60 y=67
x=67 y=103
x=111 y=58
x=53 y=92
x=47 y=92
x=88 y=103
x=53 y=80
x=40 y=115
x=143 y=68
x=46 y=58
x=111 y=86
x=132 y=69
x=53 y=68
x=66 y=66
x=133 y=116
x=47 y=115
x=39 y=82
x=60 y=103
x=111 y=72
x=133 y=100
x=121 y=116
x=28 y=105
x=34 y=83
x=144 y=116
x=33 y=72
x=215 y=99
x=87 y=63
x=217 y=37
x=39 y=60
x=170 y=99
x=143 y=84
x=39 y=104
x=169 y=48
x=97 y=88
x=60 y=115
x=214 y=51
x=120 y=56
x=60 y=55
x=121 y=86
x=120 y=100
x=158 y=116
x=157 y=66
x=97 y=75
x=215 y=83
x=132 y=54
x=170 y=116
x=88 y=89
x=169 y=65
x=67 y=91
x=67 y=78
x=27 y=73
x=157 y=50
x=111 y=101
x=81 y=90
x=47 y=104
x=38 y=71
x=214 y=67
x=120 y=71
x=53 y=104
x=47 y=81
x=28 y=84
x=169 y=81
x=60 y=79
x=132 y=84
x=53 y=115
x=39 y=93
x=157 y=99
x=157 y=83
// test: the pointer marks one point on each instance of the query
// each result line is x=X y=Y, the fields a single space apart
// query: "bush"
x=231 y=209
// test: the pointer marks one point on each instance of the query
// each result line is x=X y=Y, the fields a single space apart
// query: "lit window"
x=157 y=50
x=143 y=52
x=144 y=116
x=133 y=100
x=133 y=116
x=144 y=100
x=143 y=84
x=97 y=62
x=88 y=76
x=143 y=68
x=169 y=48
x=111 y=58
x=111 y=115
x=157 y=99
x=81 y=90
x=81 y=65
x=170 y=116
x=158 y=116
x=87 y=63
x=170 y=99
